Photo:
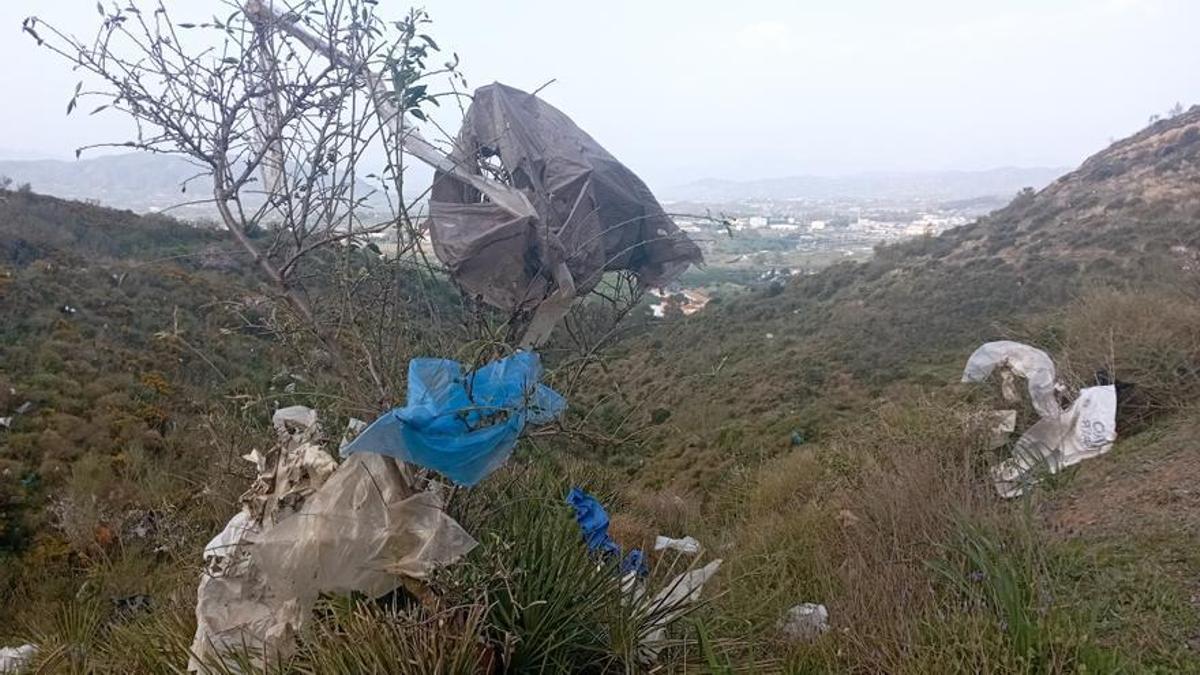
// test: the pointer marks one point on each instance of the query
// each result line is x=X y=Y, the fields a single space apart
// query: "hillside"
x=797 y=356
x=807 y=434
x=119 y=334
x=138 y=181
x=816 y=422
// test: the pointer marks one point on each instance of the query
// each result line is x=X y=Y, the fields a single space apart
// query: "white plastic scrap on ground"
x=16 y=659
x=354 y=427
x=804 y=622
x=687 y=545
x=670 y=604
x=1061 y=438
x=310 y=526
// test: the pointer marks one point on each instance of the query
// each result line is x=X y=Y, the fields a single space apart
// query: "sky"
x=681 y=90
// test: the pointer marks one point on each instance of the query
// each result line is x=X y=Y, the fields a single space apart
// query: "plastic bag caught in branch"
x=592 y=213
x=462 y=423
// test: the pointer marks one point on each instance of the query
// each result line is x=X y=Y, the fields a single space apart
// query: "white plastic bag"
x=1086 y=429
x=1033 y=364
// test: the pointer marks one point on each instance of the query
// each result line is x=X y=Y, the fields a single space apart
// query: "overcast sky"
x=686 y=89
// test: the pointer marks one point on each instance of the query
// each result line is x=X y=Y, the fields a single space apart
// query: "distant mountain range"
x=137 y=181
x=144 y=182
x=926 y=185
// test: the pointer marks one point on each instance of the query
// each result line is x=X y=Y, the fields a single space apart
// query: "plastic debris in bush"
x=463 y=424
x=527 y=211
x=687 y=545
x=308 y=526
x=1061 y=438
x=804 y=622
x=593 y=523
x=1086 y=429
x=589 y=213
x=1020 y=359
x=669 y=604
x=16 y=659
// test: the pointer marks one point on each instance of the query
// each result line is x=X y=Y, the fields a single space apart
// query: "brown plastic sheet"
x=589 y=211
x=309 y=526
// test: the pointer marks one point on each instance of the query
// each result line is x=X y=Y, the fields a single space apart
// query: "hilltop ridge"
x=1127 y=218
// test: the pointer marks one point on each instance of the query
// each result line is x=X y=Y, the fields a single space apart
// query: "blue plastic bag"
x=593 y=523
x=463 y=425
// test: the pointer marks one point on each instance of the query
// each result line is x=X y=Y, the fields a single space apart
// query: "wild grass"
x=885 y=513
x=894 y=527
x=1147 y=339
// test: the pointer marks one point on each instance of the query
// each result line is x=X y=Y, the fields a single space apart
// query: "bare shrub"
x=1149 y=339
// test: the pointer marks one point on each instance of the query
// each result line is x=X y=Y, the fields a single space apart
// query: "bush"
x=1149 y=339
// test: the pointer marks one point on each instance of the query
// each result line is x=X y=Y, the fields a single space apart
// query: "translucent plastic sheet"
x=1032 y=364
x=1061 y=438
x=309 y=526
x=1084 y=430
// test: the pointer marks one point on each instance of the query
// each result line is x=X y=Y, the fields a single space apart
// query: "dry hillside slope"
x=735 y=381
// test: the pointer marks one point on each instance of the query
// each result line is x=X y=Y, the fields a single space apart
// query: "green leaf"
x=416 y=112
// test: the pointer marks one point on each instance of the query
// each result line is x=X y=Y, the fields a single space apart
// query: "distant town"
x=753 y=233
x=755 y=242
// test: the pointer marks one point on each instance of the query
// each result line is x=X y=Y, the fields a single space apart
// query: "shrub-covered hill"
x=737 y=379
x=119 y=335
x=809 y=436
x=816 y=429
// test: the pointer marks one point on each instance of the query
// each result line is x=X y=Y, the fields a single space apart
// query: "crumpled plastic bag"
x=305 y=530
x=804 y=622
x=687 y=545
x=463 y=424
x=593 y=524
x=1086 y=429
x=235 y=606
x=589 y=212
x=1034 y=365
x=1061 y=438
x=671 y=603
x=359 y=531
x=16 y=659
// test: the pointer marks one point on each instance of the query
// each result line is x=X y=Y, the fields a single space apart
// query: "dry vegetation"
x=825 y=463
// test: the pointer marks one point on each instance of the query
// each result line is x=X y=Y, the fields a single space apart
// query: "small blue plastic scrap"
x=593 y=523
x=463 y=424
